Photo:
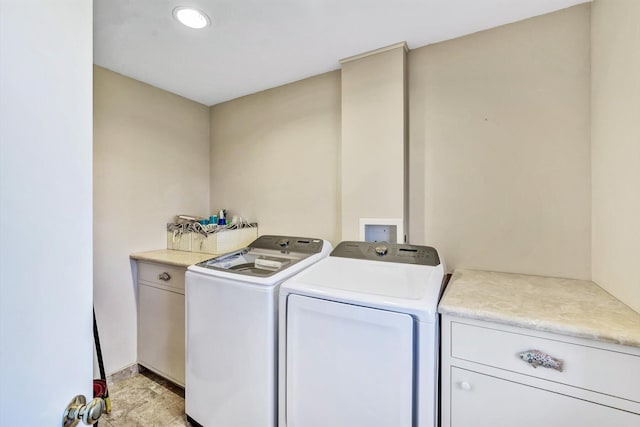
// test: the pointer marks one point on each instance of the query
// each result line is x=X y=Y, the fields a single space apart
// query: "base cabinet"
x=161 y=320
x=486 y=384
x=481 y=400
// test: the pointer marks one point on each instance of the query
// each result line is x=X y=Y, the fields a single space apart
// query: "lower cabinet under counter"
x=481 y=400
x=486 y=384
x=161 y=320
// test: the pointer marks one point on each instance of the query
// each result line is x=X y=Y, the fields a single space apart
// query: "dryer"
x=359 y=338
x=231 y=330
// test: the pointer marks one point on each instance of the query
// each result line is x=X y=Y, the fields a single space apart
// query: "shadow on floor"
x=145 y=400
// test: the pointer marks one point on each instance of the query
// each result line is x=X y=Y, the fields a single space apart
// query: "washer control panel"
x=388 y=252
x=303 y=245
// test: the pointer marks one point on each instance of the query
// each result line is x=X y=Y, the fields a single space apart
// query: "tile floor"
x=145 y=400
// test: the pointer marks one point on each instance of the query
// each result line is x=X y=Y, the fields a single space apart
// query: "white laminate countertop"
x=578 y=308
x=172 y=257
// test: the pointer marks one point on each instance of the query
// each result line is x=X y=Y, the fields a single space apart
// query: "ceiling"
x=254 y=45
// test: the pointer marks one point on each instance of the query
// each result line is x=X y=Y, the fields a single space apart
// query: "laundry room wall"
x=275 y=158
x=499 y=150
x=615 y=125
x=151 y=161
x=499 y=147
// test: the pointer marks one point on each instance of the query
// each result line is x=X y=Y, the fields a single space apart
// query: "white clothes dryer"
x=359 y=338
x=231 y=330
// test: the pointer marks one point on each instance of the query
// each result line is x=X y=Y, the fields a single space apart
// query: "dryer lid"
x=396 y=286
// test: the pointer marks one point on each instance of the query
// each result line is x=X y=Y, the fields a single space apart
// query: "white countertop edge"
x=532 y=324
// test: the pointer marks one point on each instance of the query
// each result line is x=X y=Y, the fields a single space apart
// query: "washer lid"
x=268 y=260
x=267 y=255
x=401 y=287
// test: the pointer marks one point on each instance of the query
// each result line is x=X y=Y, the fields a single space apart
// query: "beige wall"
x=151 y=161
x=275 y=158
x=615 y=121
x=499 y=146
x=499 y=150
x=373 y=138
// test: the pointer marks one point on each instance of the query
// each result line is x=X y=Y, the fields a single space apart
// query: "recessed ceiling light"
x=191 y=17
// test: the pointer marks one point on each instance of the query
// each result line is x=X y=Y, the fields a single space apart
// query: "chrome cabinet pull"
x=537 y=358
x=164 y=276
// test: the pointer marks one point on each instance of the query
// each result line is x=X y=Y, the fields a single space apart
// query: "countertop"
x=172 y=257
x=578 y=308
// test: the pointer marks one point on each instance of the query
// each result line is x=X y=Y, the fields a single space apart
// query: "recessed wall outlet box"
x=380 y=233
x=388 y=230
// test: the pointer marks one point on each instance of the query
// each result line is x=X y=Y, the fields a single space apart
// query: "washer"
x=231 y=330
x=359 y=338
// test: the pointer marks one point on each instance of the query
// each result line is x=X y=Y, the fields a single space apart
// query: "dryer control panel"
x=388 y=252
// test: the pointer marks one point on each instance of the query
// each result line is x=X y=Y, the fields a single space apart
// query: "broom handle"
x=96 y=338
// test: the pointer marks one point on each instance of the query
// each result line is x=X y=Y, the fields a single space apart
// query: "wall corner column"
x=374 y=146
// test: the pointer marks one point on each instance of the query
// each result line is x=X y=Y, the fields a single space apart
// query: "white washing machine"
x=359 y=339
x=231 y=330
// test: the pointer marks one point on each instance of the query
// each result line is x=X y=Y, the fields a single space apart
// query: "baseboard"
x=124 y=373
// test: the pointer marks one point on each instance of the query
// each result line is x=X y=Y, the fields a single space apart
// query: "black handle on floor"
x=96 y=339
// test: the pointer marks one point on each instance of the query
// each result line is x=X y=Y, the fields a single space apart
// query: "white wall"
x=615 y=127
x=499 y=147
x=45 y=209
x=499 y=150
x=151 y=162
x=275 y=158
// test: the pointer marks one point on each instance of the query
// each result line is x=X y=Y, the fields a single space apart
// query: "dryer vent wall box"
x=380 y=233
x=388 y=230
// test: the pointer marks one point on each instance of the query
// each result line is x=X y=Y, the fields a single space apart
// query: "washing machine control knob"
x=283 y=243
x=381 y=250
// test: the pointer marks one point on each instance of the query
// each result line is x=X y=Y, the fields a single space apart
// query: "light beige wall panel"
x=499 y=143
x=151 y=161
x=373 y=137
x=274 y=158
x=615 y=118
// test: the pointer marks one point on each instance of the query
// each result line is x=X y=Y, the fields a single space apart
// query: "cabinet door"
x=480 y=400
x=161 y=331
